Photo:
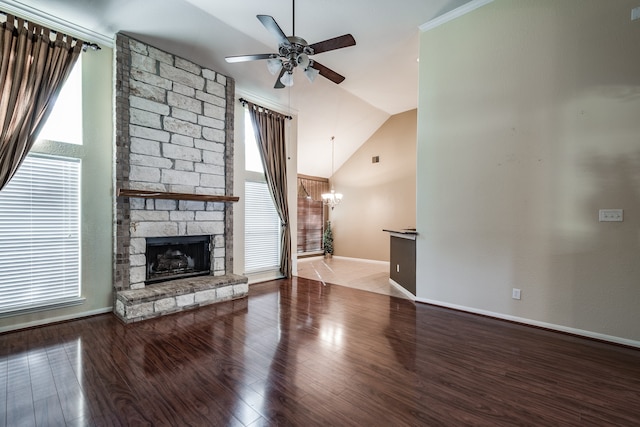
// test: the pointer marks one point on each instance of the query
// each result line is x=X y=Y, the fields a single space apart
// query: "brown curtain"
x=32 y=72
x=269 y=127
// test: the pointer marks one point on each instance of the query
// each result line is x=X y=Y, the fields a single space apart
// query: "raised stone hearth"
x=178 y=295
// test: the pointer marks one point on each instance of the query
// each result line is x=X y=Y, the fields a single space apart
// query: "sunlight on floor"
x=372 y=276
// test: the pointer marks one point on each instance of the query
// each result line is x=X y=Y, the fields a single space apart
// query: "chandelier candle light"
x=332 y=198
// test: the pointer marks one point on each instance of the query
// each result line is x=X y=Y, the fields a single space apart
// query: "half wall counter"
x=402 y=259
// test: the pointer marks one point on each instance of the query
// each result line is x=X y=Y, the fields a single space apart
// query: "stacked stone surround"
x=174 y=133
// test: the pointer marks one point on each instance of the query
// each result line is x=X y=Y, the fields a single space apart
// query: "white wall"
x=377 y=196
x=528 y=123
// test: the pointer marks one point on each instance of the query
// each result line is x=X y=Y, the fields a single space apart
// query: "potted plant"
x=327 y=241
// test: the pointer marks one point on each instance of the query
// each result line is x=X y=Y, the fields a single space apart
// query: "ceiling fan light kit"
x=274 y=65
x=287 y=78
x=294 y=52
x=311 y=74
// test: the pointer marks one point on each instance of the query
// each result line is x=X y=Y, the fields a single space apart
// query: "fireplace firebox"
x=170 y=258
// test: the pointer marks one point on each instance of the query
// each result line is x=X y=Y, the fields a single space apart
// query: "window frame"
x=255 y=178
x=73 y=151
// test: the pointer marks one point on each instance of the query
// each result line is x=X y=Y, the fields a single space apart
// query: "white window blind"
x=262 y=229
x=40 y=234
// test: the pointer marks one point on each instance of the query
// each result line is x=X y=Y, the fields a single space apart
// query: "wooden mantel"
x=146 y=194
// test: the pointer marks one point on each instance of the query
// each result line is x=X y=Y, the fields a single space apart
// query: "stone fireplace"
x=174 y=182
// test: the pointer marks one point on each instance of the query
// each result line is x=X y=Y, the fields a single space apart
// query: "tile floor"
x=372 y=276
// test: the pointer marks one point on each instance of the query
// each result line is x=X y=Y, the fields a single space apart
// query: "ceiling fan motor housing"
x=295 y=53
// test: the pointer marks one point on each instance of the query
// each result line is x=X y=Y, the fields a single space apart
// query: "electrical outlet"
x=610 y=215
x=515 y=293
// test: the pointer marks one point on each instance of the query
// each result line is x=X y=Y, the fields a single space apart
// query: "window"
x=262 y=229
x=252 y=160
x=262 y=223
x=40 y=213
x=65 y=121
x=310 y=225
x=311 y=214
x=40 y=234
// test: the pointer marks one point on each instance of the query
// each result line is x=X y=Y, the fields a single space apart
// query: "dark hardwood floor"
x=299 y=353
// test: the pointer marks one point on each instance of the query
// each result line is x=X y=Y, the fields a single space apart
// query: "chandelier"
x=332 y=199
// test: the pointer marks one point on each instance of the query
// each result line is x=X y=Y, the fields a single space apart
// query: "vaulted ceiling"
x=381 y=70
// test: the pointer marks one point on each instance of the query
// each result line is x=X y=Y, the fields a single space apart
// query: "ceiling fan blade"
x=328 y=73
x=279 y=84
x=272 y=26
x=333 y=44
x=245 y=58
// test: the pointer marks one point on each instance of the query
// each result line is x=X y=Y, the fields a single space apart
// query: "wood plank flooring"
x=301 y=353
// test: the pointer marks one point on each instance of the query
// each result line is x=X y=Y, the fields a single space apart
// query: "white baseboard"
x=310 y=258
x=263 y=277
x=398 y=286
x=371 y=261
x=42 y=322
x=545 y=325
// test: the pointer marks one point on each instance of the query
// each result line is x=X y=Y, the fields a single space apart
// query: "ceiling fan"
x=294 y=52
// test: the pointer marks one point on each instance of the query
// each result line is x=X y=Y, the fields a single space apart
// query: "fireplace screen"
x=171 y=258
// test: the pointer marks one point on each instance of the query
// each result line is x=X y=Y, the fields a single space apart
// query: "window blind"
x=310 y=223
x=40 y=234
x=262 y=229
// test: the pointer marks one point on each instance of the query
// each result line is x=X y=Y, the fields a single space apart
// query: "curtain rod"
x=85 y=45
x=244 y=103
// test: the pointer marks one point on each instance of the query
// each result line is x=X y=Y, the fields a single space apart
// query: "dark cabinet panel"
x=403 y=263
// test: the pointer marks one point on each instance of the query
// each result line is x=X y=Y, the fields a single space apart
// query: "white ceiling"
x=381 y=70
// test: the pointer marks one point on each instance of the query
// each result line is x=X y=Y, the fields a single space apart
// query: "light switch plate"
x=610 y=215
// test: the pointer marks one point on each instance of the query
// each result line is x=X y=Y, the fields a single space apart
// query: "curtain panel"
x=269 y=128
x=33 y=70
